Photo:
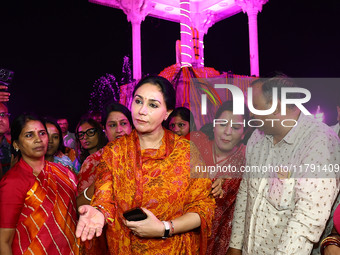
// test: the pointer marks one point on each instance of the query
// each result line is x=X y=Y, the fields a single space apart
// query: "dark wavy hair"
x=115 y=107
x=82 y=154
x=166 y=87
x=18 y=125
x=49 y=120
x=185 y=114
x=228 y=106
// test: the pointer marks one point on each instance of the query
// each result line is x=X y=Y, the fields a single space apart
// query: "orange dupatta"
x=158 y=180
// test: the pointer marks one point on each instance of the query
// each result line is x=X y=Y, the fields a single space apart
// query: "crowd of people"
x=75 y=193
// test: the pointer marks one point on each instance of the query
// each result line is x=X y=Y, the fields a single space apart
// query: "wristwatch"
x=167 y=229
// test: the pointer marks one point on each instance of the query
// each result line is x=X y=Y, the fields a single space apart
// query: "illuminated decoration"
x=186 y=34
x=127 y=85
x=319 y=116
x=195 y=18
x=196 y=43
x=203 y=14
x=126 y=71
x=105 y=90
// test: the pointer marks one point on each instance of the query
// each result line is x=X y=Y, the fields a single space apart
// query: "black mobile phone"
x=135 y=214
x=6 y=77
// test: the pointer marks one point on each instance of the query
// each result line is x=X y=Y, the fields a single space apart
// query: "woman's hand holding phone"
x=150 y=227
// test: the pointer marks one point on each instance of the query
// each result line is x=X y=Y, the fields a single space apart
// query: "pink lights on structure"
x=196 y=15
x=186 y=34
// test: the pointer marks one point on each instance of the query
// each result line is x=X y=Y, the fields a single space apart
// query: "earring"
x=16 y=149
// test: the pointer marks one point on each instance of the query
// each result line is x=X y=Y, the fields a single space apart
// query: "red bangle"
x=330 y=240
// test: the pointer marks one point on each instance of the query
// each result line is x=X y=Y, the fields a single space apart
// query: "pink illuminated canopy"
x=170 y=10
x=195 y=18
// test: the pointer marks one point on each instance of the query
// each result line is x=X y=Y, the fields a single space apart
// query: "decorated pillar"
x=136 y=50
x=186 y=34
x=202 y=22
x=252 y=7
x=135 y=11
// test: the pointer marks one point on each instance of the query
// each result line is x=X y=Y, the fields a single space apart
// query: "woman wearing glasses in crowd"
x=37 y=198
x=117 y=122
x=150 y=168
x=89 y=139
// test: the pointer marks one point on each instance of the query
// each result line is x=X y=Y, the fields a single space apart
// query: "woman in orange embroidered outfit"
x=150 y=168
x=38 y=207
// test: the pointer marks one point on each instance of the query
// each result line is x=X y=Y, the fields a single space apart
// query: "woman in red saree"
x=226 y=149
x=38 y=207
x=150 y=168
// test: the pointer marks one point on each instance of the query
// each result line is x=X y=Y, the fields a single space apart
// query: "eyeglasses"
x=90 y=132
x=4 y=114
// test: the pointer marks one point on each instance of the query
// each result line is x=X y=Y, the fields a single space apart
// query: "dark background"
x=59 y=48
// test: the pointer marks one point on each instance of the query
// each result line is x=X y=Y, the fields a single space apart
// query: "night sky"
x=59 y=48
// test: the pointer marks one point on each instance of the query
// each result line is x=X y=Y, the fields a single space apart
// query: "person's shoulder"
x=317 y=129
x=120 y=142
x=55 y=165
x=256 y=137
x=336 y=127
x=18 y=175
x=59 y=167
x=118 y=146
x=64 y=172
x=176 y=139
x=197 y=136
x=95 y=156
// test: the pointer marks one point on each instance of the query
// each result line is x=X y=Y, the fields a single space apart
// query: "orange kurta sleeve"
x=103 y=195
